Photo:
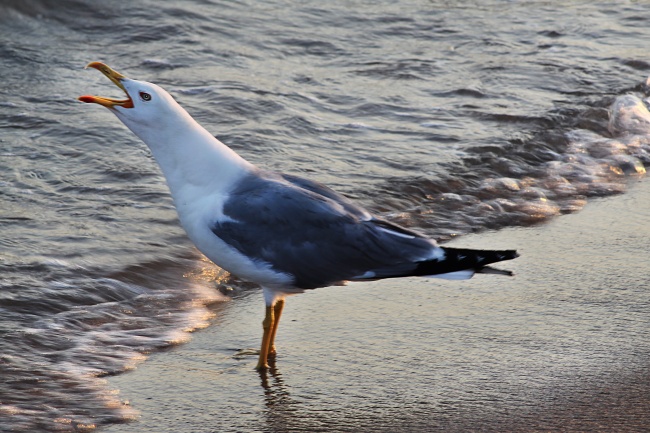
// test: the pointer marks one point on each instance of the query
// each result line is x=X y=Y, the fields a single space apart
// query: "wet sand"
x=562 y=346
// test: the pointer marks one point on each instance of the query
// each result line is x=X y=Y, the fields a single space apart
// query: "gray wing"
x=327 y=192
x=309 y=231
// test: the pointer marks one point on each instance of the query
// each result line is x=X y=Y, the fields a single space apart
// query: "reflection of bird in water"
x=281 y=409
x=283 y=232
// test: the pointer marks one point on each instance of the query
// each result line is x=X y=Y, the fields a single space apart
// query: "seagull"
x=285 y=233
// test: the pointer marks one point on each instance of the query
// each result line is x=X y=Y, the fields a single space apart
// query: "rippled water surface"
x=451 y=117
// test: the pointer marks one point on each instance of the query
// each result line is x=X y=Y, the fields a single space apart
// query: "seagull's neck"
x=192 y=160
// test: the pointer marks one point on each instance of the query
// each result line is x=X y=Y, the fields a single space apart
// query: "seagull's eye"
x=145 y=96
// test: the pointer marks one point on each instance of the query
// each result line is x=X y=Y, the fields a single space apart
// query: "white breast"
x=198 y=215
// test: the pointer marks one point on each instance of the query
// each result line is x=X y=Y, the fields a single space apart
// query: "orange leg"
x=267 y=325
x=277 y=313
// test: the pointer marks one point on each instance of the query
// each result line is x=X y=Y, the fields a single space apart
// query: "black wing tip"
x=510 y=253
x=503 y=255
x=493 y=255
x=498 y=256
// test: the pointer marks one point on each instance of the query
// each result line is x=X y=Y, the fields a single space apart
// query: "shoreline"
x=561 y=346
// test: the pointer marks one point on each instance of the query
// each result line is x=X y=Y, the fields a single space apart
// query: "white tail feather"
x=458 y=275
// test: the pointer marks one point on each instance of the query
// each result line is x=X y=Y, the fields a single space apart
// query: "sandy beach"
x=562 y=346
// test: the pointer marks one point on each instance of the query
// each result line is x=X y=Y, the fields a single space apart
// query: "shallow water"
x=448 y=118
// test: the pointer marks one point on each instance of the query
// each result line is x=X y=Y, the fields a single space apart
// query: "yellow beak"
x=116 y=78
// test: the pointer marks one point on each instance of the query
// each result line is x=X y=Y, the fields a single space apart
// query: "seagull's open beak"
x=116 y=78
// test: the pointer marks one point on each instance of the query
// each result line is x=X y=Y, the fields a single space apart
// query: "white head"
x=186 y=152
x=147 y=107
